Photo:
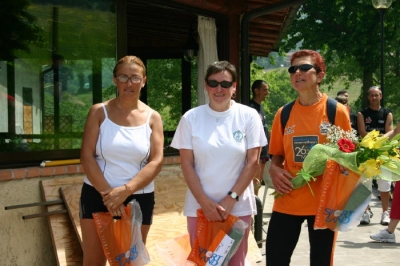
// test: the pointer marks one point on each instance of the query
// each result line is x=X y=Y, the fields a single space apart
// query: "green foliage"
x=18 y=29
x=109 y=92
x=77 y=38
x=347 y=33
x=164 y=89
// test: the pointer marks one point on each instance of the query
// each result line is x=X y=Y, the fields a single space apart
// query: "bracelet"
x=126 y=186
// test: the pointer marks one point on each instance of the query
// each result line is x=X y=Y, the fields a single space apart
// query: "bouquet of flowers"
x=370 y=156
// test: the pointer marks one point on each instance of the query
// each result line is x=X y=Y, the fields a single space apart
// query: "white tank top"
x=122 y=152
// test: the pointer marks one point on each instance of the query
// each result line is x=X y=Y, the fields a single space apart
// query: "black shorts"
x=91 y=202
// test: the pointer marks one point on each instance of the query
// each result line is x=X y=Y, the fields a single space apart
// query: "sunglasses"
x=303 y=68
x=224 y=84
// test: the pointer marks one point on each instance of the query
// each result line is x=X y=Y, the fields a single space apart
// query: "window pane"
x=164 y=90
x=60 y=59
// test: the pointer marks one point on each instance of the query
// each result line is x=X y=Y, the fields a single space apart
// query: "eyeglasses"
x=303 y=68
x=224 y=84
x=125 y=78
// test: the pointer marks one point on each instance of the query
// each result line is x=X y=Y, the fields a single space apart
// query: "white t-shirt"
x=220 y=141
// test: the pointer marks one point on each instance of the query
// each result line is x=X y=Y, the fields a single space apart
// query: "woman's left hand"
x=113 y=199
x=227 y=203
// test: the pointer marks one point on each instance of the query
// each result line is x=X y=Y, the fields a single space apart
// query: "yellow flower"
x=370 y=168
x=373 y=141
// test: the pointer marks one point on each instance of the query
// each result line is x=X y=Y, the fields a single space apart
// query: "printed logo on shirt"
x=323 y=128
x=368 y=120
x=289 y=130
x=238 y=135
x=302 y=145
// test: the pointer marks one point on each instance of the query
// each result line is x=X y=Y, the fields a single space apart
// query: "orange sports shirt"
x=306 y=126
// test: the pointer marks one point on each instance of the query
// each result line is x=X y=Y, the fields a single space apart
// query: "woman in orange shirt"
x=306 y=126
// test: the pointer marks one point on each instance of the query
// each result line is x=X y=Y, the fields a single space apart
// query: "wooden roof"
x=161 y=27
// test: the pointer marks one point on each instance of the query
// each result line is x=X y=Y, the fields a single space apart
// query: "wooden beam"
x=219 y=6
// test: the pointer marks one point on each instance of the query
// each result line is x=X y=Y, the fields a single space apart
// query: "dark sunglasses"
x=224 y=84
x=303 y=68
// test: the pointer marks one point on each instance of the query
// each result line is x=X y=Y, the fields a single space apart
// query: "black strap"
x=331 y=110
x=286 y=113
x=331 y=107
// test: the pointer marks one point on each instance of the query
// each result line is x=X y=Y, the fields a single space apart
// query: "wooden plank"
x=65 y=241
x=71 y=196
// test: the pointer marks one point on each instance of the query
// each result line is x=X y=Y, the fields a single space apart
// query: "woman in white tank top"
x=122 y=153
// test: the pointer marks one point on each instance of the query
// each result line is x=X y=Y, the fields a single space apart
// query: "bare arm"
x=88 y=149
x=362 y=130
x=245 y=177
x=389 y=122
x=210 y=208
x=393 y=132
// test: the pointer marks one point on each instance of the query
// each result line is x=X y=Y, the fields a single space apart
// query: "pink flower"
x=346 y=145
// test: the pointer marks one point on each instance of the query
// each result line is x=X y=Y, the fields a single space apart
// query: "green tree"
x=19 y=28
x=164 y=89
x=347 y=33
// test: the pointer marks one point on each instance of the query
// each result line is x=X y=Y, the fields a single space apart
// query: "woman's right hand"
x=212 y=210
x=281 y=179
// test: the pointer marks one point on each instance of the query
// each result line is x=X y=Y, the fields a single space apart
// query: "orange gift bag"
x=342 y=199
x=174 y=252
x=122 y=238
x=216 y=242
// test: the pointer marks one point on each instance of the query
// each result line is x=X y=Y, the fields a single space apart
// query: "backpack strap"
x=287 y=108
x=286 y=113
x=331 y=109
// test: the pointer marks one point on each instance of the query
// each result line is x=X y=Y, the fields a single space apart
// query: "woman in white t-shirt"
x=220 y=144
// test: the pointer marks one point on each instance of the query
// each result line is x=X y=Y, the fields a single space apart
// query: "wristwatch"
x=234 y=195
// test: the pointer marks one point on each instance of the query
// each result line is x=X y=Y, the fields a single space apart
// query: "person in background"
x=345 y=94
x=388 y=234
x=380 y=119
x=122 y=153
x=306 y=126
x=219 y=145
x=343 y=98
x=260 y=93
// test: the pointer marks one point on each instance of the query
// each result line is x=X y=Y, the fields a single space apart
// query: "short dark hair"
x=220 y=66
x=257 y=85
x=341 y=99
x=341 y=92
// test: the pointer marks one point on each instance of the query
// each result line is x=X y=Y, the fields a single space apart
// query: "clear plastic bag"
x=122 y=238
